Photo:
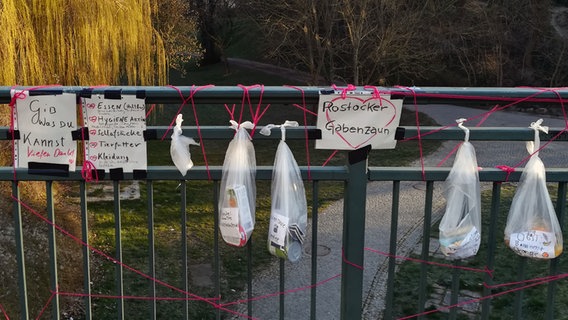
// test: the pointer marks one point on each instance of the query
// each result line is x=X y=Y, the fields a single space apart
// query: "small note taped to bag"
x=535 y=244
x=278 y=230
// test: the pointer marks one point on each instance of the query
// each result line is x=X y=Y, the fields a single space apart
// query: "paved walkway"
x=297 y=305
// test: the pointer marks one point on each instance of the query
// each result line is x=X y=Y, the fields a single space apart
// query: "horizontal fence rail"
x=284 y=95
x=354 y=174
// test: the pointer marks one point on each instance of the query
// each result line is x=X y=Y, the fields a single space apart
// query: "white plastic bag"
x=532 y=228
x=179 y=148
x=237 y=199
x=289 y=210
x=460 y=227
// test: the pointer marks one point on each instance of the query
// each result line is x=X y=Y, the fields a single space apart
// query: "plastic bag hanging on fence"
x=460 y=227
x=179 y=148
x=532 y=228
x=237 y=199
x=289 y=210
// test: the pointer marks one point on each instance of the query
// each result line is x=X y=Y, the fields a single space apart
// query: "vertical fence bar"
x=184 y=259
x=249 y=276
x=18 y=232
x=282 y=288
x=519 y=295
x=216 y=258
x=118 y=247
x=53 y=279
x=425 y=246
x=455 y=290
x=388 y=313
x=491 y=241
x=354 y=234
x=554 y=268
x=151 y=247
x=315 y=208
x=86 y=251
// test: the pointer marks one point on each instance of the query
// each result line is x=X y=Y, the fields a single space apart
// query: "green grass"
x=200 y=207
x=507 y=264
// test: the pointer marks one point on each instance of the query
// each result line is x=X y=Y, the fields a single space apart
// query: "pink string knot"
x=87 y=172
x=344 y=91
x=507 y=169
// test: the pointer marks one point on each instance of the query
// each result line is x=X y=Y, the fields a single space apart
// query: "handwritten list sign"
x=45 y=123
x=357 y=119
x=116 y=132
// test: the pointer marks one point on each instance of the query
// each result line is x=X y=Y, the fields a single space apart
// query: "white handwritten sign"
x=45 y=123
x=357 y=120
x=116 y=132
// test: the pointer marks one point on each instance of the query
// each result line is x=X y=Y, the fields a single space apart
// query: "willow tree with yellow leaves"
x=83 y=43
x=95 y=42
x=75 y=42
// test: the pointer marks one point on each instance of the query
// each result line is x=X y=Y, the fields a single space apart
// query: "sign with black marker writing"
x=116 y=132
x=356 y=119
x=45 y=123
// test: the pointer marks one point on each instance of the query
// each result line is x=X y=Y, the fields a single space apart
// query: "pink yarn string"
x=507 y=169
x=529 y=98
x=433 y=263
x=152 y=106
x=275 y=294
x=485 y=117
x=329 y=158
x=344 y=90
x=4 y=312
x=466 y=302
x=202 y=144
x=184 y=101
x=376 y=93
x=420 y=148
x=45 y=306
x=510 y=170
x=304 y=108
x=344 y=258
x=257 y=114
x=127 y=267
x=231 y=111
x=514 y=283
x=190 y=99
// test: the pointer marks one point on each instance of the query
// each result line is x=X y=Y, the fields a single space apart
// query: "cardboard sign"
x=45 y=123
x=357 y=120
x=116 y=132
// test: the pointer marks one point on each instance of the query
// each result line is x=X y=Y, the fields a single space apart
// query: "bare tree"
x=298 y=33
x=450 y=42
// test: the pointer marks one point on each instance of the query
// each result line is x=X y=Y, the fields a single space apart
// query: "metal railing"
x=356 y=174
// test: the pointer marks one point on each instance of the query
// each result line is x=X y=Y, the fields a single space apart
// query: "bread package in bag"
x=460 y=227
x=237 y=197
x=532 y=228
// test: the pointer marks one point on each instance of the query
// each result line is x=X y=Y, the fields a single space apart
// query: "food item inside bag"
x=460 y=227
x=532 y=228
x=288 y=214
x=235 y=217
x=237 y=198
x=536 y=242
